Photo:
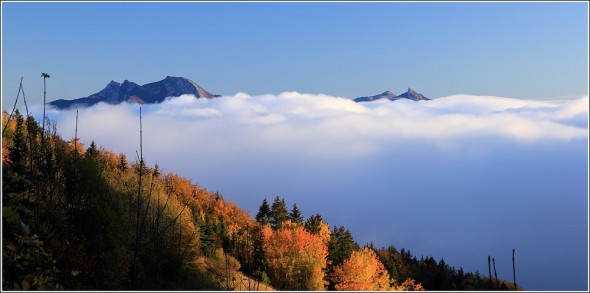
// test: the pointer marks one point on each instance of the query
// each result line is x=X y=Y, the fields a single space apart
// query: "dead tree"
x=495 y=273
x=513 y=270
x=490 y=271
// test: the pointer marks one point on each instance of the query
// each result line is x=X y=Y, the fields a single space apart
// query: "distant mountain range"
x=410 y=94
x=157 y=92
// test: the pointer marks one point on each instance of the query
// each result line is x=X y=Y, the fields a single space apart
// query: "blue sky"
x=518 y=50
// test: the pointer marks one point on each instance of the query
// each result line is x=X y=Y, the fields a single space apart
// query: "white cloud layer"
x=459 y=177
x=326 y=125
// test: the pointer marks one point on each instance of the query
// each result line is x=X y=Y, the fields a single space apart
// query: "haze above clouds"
x=460 y=177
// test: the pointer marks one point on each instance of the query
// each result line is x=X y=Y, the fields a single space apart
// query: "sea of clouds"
x=460 y=177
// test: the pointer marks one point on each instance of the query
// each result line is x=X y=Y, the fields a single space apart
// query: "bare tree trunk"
x=490 y=271
x=179 y=246
x=157 y=242
x=227 y=286
x=495 y=274
x=513 y=270
x=15 y=102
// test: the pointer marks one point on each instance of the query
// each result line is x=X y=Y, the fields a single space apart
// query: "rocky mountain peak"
x=413 y=95
x=128 y=91
x=410 y=94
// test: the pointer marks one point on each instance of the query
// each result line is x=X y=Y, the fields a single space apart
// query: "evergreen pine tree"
x=17 y=187
x=258 y=255
x=278 y=213
x=313 y=224
x=263 y=216
x=340 y=248
x=17 y=155
x=123 y=165
x=341 y=245
x=295 y=215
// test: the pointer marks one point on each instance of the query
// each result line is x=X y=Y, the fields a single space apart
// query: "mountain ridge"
x=410 y=94
x=156 y=92
x=128 y=91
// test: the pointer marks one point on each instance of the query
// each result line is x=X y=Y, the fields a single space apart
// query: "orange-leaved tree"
x=361 y=272
x=409 y=285
x=295 y=258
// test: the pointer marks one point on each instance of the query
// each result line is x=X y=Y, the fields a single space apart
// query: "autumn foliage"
x=78 y=217
x=409 y=285
x=362 y=272
x=296 y=259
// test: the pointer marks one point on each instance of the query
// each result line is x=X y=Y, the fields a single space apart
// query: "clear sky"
x=517 y=50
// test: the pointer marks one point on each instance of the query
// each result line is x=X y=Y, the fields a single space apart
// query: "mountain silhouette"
x=410 y=94
x=155 y=92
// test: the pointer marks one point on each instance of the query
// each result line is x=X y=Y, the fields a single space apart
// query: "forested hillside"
x=78 y=217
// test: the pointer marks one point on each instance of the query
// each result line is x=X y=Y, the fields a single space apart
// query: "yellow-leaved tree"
x=295 y=258
x=361 y=272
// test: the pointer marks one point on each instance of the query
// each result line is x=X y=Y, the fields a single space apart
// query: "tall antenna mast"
x=140 y=139
x=45 y=76
x=137 y=222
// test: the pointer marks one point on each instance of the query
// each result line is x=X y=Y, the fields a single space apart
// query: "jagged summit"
x=128 y=91
x=385 y=95
x=410 y=94
x=413 y=95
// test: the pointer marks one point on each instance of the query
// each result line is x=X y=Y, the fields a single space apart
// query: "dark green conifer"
x=263 y=216
x=341 y=245
x=295 y=215
x=313 y=224
x=278 y=213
